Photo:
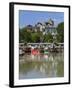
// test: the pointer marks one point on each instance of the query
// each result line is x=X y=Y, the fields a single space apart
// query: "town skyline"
x=27 y=17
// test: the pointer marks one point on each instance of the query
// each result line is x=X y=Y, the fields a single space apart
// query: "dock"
x=42 y=47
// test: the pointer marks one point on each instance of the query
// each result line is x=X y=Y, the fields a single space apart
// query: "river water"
x=41 y=66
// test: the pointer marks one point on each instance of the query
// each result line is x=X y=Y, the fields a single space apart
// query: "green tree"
x=24 y=35
x=48 y=38
x=60 y=32
x=35 y=37
x=20 y=36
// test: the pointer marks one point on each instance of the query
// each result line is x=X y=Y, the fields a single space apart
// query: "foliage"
x=48 y=38
x=28 y=36
x=24 y=35
x=35 y=37
x=60 y=32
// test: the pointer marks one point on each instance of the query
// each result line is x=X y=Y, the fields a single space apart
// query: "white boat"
x=21 y=52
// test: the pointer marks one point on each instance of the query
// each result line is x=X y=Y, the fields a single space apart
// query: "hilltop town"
x=42 y=32
x=44 y=27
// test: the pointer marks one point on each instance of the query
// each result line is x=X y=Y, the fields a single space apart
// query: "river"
x=41 y=66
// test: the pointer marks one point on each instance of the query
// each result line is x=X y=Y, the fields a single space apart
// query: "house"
x=45 y=27
x=29 y=28
x=40 y=27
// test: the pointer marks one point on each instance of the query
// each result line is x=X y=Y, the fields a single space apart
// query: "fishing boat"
x=21 y=52
x=46 y=50
x=35 y=51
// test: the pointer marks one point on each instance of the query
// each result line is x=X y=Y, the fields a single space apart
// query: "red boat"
x=35 y=52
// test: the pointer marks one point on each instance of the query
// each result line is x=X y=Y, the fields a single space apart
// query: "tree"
x=24 y=35
x=20 y=36
x=48 y=38
x=35 y=37
x=60 y=32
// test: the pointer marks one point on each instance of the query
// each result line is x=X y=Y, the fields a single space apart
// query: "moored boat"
x=35 y=51
x=46 y=50
x=21 y=52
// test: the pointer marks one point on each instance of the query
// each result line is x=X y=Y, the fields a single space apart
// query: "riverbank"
x=39 y=49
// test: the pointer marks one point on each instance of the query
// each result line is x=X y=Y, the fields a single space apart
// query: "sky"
x=32 y=17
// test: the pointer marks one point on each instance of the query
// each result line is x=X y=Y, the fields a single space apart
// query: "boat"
x=35 y=51
x=46 y=50
x=21 y=52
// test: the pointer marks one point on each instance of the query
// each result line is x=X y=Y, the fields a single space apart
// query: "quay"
x=40 y=48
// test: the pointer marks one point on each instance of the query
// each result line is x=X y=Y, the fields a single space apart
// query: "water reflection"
x=41 y=66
